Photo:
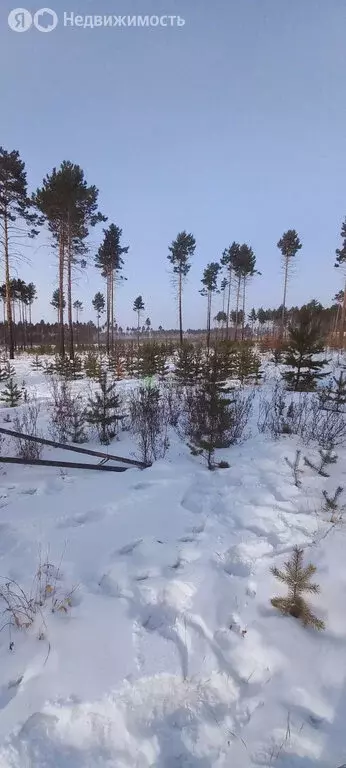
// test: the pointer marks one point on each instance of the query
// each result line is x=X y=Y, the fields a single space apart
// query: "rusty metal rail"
x=63 y=464
x=64 y=447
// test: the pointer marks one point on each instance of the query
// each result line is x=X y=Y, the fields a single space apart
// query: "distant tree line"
x=67 y=206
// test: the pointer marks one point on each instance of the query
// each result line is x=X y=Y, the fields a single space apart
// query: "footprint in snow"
x=28 y=491
x=198 y=529
x=187 y=539
x=8 y=538
x=81 y=518
x=9 y=691
x=251 y=589
x=129 y=548
x=142 y=486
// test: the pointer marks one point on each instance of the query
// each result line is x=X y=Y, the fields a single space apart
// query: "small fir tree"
x=210 y=419
x=305 y=342
x=104 y=410
x=62 y=367
x=333 y=396
x=187 y=366
x=131 y=360
x=147 y=360
x=49 y=367
x=92 y=366
x=228 y=358
x=11 y=395
x=327 y=456
x=162 y=367
x=278 y=350
x=76 y=368
x=248 y=365
x=37 y=363
x=298 y=580
x=6 y=371
x=331 y=505
x=69 y=369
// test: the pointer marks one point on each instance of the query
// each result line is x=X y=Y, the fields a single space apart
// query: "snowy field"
x=166 y=650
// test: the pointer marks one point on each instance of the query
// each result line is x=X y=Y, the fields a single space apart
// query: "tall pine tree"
x=229 y=260
x=247 y=270
x=138 y=307
x=180 y=252
x=70 y=208
x=98 y=303
x=209 y=282
x=16 y=214
x=341 y=262
x=289 y=245
x=56 y=301
x=109 y=260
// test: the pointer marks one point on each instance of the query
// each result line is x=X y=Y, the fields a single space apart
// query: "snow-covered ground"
x=171 y=653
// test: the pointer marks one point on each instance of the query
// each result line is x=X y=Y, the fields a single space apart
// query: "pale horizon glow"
x=231 y=127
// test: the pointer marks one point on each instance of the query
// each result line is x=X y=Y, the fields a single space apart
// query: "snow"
x=171 y=653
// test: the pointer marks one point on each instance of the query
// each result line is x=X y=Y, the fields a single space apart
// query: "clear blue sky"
x=232 y=127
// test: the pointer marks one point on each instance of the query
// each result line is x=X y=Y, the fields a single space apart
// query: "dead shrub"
x=26 y=422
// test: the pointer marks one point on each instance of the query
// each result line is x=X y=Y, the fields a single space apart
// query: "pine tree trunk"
x=180 y=310
x=98 y=331
x=4 y=315
x=138 y=330
x=208 y=321
x=31 y=329
x=284 y=299
x=336 y=322
x=13 y=307
x=24 y=327
x=228 y=302
x=69 y=308
x=112 y=309
x=342 y=321
x=61 y=294
x=297 y=381
x=243 y=320
x=8 y=291
x=108 y=314
x=69 y=293
x=237 y=310
x=20 y=325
